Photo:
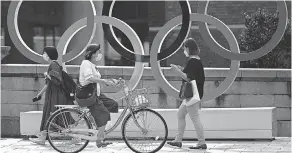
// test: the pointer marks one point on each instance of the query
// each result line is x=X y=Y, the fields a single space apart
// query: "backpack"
x=68 y=84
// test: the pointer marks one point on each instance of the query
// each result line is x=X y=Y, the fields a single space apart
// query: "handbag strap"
x=61 y=67
x=62 y=85
x=189 y=80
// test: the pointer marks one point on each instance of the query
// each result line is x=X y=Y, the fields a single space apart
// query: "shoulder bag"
x=86 y=95
x=186 y=90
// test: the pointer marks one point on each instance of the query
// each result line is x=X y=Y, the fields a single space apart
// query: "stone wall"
x=252 y=88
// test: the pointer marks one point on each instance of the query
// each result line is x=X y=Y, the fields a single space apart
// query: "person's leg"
x=101 y=116
x=41 y=136
x=100 y=137
x=109 y=103
x=193 y=111
x=181 y=119
x=181 y=126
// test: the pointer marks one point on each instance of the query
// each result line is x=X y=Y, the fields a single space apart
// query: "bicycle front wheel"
x=148 y=134
x=59 y=126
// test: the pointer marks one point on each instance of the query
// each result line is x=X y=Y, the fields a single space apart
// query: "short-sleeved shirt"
x=88 y=70
x=195 y=71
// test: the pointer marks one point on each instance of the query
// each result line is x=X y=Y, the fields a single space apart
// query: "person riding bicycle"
x=101 y=106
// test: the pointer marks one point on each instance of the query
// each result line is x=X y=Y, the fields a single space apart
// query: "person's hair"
x=90 y=50
x=192 y=45
x=51 y=52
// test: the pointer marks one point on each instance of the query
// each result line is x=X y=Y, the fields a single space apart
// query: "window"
x=113 y=58
x=45 y=36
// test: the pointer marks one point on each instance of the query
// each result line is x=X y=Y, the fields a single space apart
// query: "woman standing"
x=103 y=105
x=55 y=95
x=193 y=71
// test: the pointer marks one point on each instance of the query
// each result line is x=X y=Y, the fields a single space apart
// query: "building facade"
x=42 y=24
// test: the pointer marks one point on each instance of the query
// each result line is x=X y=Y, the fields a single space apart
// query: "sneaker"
x=176 y=144
x=201 y=146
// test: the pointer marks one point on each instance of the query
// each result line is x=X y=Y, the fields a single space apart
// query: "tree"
x=260 y=26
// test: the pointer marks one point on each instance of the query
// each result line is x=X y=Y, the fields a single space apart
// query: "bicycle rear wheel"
x=152 y=139
x=58 y=128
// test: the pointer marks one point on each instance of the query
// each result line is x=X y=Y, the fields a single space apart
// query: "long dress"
x=54 y=94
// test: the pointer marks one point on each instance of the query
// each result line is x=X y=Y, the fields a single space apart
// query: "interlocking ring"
x=133 y=37
x=155 y=55
x=217 y=48
x=16 y=38
x=130 y=55
x=157 y=43
x=77 y=26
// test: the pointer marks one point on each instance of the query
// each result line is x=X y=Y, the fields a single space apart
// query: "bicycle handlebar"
x=122 y=83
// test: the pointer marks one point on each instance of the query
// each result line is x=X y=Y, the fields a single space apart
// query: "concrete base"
x=219 y=123
x=10 y=127
x=284 y=129
x=30 y=122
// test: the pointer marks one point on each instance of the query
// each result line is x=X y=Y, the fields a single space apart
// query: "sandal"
x=41 y=134
x=37 y=141
x=41 y=138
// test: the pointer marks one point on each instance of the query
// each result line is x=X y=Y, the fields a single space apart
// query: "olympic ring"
x=130 y=55
x=157 y=43
x=217 y=48
x=133 y=37
x=71 y=31
x=155 y=54
x=16 y=38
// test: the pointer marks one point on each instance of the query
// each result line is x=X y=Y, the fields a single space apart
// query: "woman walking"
x=192 y=71
x=54 y=95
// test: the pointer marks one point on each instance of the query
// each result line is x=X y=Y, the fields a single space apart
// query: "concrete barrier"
x=219 y=123
x=251 y=88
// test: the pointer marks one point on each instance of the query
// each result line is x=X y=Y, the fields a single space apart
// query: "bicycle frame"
x=121 y=117
x=93 y=136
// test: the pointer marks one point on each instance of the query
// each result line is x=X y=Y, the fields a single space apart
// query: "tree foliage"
x=260 y=26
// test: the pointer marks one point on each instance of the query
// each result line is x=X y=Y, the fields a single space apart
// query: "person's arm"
x=178 y=71
x=43 y=90
x=97 y=80
x=104 y=81
x=90 y=77
x=87 y=71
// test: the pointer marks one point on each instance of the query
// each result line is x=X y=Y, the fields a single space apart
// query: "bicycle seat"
x=67 y=106
x=71 y=106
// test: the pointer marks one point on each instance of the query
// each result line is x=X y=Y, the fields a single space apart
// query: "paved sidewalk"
x=280 y=145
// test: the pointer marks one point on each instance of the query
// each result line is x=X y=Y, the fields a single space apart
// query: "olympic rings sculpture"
x=156 y=54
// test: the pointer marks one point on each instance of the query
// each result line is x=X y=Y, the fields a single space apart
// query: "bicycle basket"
x=140 y=98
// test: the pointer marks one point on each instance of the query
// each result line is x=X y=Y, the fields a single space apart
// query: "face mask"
x=45 y=57
x=186 y=53
x=98 y=57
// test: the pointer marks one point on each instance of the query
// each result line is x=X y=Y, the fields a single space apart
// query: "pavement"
x=279 y=145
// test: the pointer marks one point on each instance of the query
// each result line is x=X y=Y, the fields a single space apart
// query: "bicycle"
x=73 y=125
